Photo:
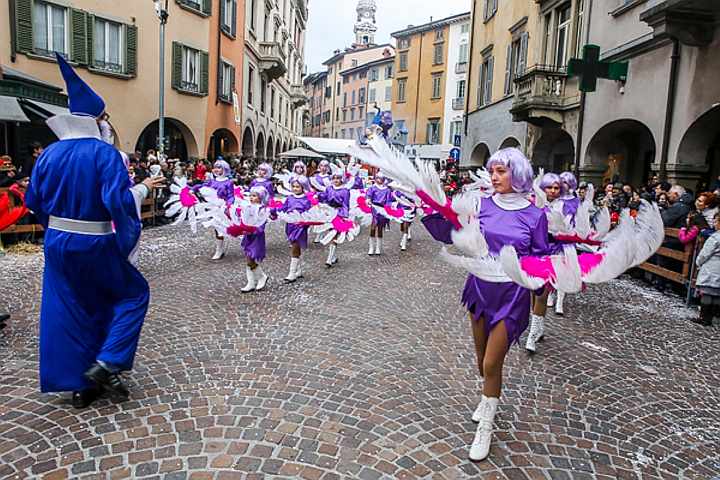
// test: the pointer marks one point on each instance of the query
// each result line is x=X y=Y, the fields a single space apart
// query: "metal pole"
x=161 y=109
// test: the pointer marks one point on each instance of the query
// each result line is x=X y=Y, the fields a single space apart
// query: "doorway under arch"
x=270 y=155
x=222 y=143
x=179 y=140
x=480 y=155
x=701 y=144
x=510 y=142
x=260 y=148
x=554 y=151
x=248 y=144
x=626 y=148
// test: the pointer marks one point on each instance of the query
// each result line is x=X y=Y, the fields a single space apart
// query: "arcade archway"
x=179 y=140
x=480 y=155
x=554 y=151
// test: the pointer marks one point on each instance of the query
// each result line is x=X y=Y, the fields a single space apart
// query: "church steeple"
x=365 y=26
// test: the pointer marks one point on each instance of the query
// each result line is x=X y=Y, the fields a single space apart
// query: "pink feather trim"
x=363 y=206
x=539 y=267
x=394 y=212
x=576 y=239
x=309 y=224
x=239 y=193
x=240 y=230
x=445 y=210
x=589 y=261
x=342 y=225
x=275 y=203
x=187 y=198
x=427 y=210
x=313 y=198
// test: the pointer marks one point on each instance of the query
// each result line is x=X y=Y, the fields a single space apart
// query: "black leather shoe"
x=84 y=398
x=110 y=382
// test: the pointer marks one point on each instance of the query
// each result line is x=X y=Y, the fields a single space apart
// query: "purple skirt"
x=297 y=234
x=254 y=246
x=379 y=220
x=496 y=302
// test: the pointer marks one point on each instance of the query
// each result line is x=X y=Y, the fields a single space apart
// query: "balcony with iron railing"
x=542 y=94
x=458 y=103
x=273 y=61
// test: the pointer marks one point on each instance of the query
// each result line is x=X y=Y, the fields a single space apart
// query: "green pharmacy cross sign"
x=590 y=68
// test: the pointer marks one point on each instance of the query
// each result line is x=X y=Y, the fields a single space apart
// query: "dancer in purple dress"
x=297 y=234
x=299 y=169
x=378 y=195
x=253 y=244
x=321 y=180
x=571 y=203
x=263 y=178
x=225 y=189
x=552 y=185
x=499 y=310
x=407 y=204
x=337 y=196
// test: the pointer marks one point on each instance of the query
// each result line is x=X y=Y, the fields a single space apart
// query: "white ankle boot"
x=403 y=242
x=261 y=278
x=251 y=281
x=318 y=238
x=560 y=304
x=551 y=299
x=477 y=414
x=378 y=246
x=371 y=250
x=219 y=249
x=331 y=258
x=293 y=275
x=537 y=331
x=480 y=448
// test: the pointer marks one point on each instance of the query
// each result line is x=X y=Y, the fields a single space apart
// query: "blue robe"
x=94 y=300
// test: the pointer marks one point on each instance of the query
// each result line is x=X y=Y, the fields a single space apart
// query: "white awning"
x=300 y=152
x=10 y=110
x=51 y=110
x=335 y=146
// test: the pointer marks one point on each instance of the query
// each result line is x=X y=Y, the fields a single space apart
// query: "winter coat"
x=709 y=262
x=675 y=216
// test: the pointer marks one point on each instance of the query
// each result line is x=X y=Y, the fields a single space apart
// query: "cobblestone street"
x=363 y=371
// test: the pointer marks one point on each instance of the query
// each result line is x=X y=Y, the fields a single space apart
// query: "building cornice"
x=463 y=17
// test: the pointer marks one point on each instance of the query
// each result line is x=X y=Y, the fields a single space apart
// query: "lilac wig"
x=299 y=166
x=381 y=176
x=551 y=178
x=268 y=170
x=262 y=193
x=324 y=163
x=521 y=173
x=570 y=181
x=302 y=180
x=224 y=166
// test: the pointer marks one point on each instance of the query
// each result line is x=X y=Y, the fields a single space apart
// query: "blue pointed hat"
x=82 y=99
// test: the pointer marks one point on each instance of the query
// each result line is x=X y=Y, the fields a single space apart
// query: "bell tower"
x=365 y=27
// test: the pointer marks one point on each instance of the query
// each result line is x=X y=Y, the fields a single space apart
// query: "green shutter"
x=204 y=72
x=90 y=38
x=78 y=22
x=131 y=39
x=23 y=26
x=232 y=81
x=176 y=65
x=207 y=7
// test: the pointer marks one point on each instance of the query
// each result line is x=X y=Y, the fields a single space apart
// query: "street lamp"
x=162 y=14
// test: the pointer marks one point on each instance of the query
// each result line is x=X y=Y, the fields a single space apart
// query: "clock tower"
x=365 y=26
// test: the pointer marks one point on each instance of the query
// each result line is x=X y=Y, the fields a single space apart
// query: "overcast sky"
x=331 y=22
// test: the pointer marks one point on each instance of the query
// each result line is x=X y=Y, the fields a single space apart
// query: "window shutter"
x=23 y=26
x=131 y=50
x=176 y=65
x=204 y=72
x=219 y=94
x=508 y=70
x=488 y=89
x=233 y=27
x=486 y=4
x=78 y=44
x=522 y=61
x=232 y=80
x=207 y=7
x=222 y=15
x=90 y=38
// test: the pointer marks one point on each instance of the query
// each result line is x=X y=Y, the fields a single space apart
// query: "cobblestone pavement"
x=363 y=371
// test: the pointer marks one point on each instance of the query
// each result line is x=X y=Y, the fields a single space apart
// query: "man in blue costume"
x=94 y=301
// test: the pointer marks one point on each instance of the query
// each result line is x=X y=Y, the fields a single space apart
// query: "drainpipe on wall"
x=469 y=72
x=583 y=95
x=13 y=50
x=670 y=108
x=417 y=90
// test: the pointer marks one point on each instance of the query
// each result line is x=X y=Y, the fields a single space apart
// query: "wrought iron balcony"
x=298 y=95
x=458 y=103
x=272 y=60
x=542 y=94
x=461 y=67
